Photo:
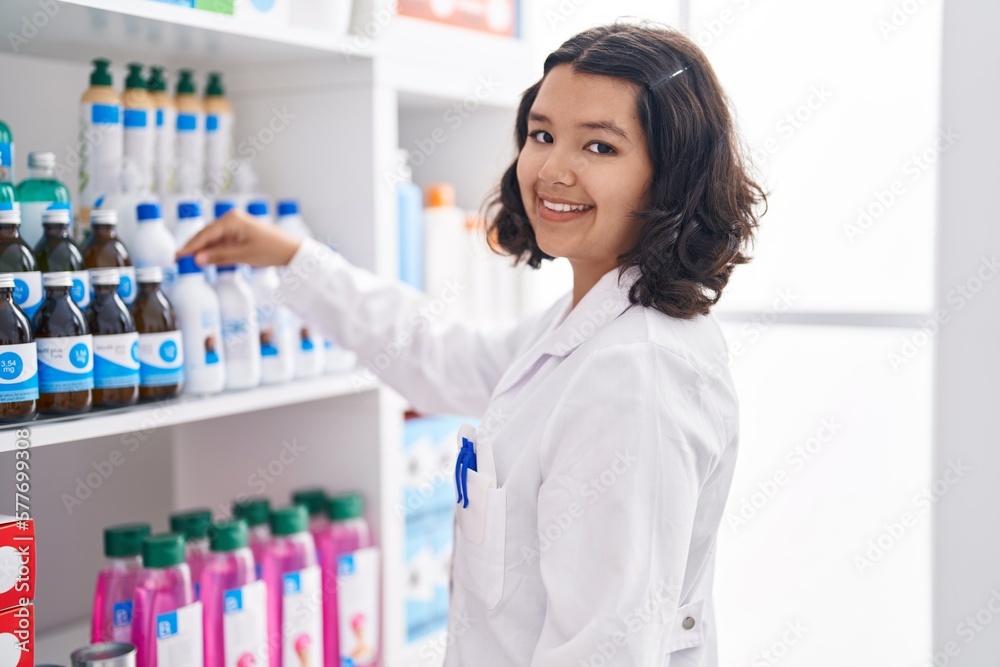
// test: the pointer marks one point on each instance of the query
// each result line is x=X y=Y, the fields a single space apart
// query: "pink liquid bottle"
x=257 y=513
x=294 y=594
x=112 y=617
x=347 y=532
x=314 y=500
x=164 y=586
x=193 y=525
x=229 y=568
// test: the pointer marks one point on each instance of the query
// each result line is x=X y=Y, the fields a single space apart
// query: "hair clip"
x=669 y=77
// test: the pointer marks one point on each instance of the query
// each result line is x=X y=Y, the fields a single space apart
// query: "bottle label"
x=179 y=637
x=28 y=291
x=187 y=122
x=65 y=364
x=6 y=162
x=302 y=615
x=80 y=290
x=237 y=337
x=244 y=625
x=116 y=361
x=122 y=621
x=101 y=142
x=161 y=359
x=18 y=373
x=135 y=118
x=126 y=286
x=358 y=606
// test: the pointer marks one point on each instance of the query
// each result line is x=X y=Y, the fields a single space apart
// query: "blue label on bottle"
x=166 y=625
x=18 y=373
x=187 y=122
x=161 y=360
x=28 y=291
x=159 y=118
x=123 y=614
x=105 y=113
x=65 y=364
x=6 y=154
x=232 y=602
x=126 y=285
x=116 y=361
x=291 y=583
x=211 y=123
x=135 y=118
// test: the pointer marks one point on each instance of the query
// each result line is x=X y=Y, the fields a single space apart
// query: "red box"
x=17 y=636
x=17 y=561
x=498 y=17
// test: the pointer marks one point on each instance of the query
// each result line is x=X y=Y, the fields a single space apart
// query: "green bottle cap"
x=101 y=76
x=125 y=540
x=214 y=88
x=157 y=82
x=346 y=506
x=135 y=79
x=314 y=500
x=163 y=550
x=289 y=520
x=192 y=524
x=229 y=535
x=185 y=85
x=256 y=511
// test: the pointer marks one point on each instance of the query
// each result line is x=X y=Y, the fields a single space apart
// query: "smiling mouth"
x=557 y=207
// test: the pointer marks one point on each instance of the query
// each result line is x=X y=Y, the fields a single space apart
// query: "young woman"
x=587 y=517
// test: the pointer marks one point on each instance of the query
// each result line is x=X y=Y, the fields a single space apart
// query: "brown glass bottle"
x=65 y=350
x=103 y=249
x=116 y=343
x=160 y=344
x=18 y=360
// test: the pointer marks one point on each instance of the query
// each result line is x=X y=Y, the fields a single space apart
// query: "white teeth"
x=552 y=206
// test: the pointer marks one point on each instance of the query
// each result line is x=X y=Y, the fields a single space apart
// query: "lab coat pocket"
x=482 y=527
x=687 y=635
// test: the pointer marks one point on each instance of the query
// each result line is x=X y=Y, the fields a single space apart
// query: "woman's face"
x=586 y=152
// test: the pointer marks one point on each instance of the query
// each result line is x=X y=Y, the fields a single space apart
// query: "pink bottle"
x=290 y=569
x=194 y=525
x=347 y=532
x=314 y=500
x=230 y=566
x=112 y=616
x=164 y=585
x=257 y=513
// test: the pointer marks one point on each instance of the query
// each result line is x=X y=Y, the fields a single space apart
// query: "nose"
x=558 y=169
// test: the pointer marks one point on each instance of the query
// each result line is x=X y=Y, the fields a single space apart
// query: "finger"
x=218 y=232
x=221 y=255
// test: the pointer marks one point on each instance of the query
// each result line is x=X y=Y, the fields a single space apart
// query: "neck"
x=586 y=275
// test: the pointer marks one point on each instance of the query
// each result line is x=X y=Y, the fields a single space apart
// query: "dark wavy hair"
x=703 y=200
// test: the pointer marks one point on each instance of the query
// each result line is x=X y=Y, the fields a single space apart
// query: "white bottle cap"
x=57 y=279
x=149 y=274
x=6 y=280
x=10 y=217
x=108 y=276
x=55 y=216
x=42 y=160
x=104 y=216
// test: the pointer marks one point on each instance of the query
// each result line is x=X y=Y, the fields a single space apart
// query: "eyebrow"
x=603 y=125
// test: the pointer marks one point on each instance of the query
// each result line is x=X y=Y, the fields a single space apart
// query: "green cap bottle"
x=214 y=87
x=289 y=520
x=229 y=535
x=163 y=550
x=157 y=83
x=346 y=506
x=125 y=540
x=256 y=511
x=101 y=76
x=314 y=500
x=185 y=85
x=135 y=80
x=192 y=524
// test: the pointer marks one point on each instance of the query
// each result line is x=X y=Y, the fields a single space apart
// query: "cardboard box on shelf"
x=17 y=636
x=17 y=561
x=498 y=17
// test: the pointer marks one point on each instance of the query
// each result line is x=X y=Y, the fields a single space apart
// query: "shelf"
x=55 y=646
x=143 y=418
x=80 y=30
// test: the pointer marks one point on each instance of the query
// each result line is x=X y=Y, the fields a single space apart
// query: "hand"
x=239 y=238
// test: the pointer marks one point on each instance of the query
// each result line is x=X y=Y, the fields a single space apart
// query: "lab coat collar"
x=605 y=301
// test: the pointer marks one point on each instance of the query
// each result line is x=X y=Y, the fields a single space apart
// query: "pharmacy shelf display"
x=321 y=117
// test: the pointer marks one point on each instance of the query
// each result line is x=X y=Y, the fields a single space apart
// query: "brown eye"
x=537 y=135
x=601 y=148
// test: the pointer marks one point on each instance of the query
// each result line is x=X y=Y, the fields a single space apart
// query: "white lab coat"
x=606 y=450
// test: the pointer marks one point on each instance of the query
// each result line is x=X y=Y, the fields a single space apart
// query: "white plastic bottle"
x=446 y=247
x=291 y=221
x=218 y=135
x=125 y=201
x=240 y=329
x=139 y=135
x=166 y=131
x=101 y=138
x=277 y=333
x=190 y=127
x=154 y=246
x=197 y=310
x=189 y=221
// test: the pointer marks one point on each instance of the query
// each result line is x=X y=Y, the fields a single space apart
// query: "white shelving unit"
x=347 y=102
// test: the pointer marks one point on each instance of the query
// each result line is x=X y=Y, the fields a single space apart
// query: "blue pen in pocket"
x=466 y=461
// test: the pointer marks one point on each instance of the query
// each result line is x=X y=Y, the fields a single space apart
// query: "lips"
x=561 y=210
